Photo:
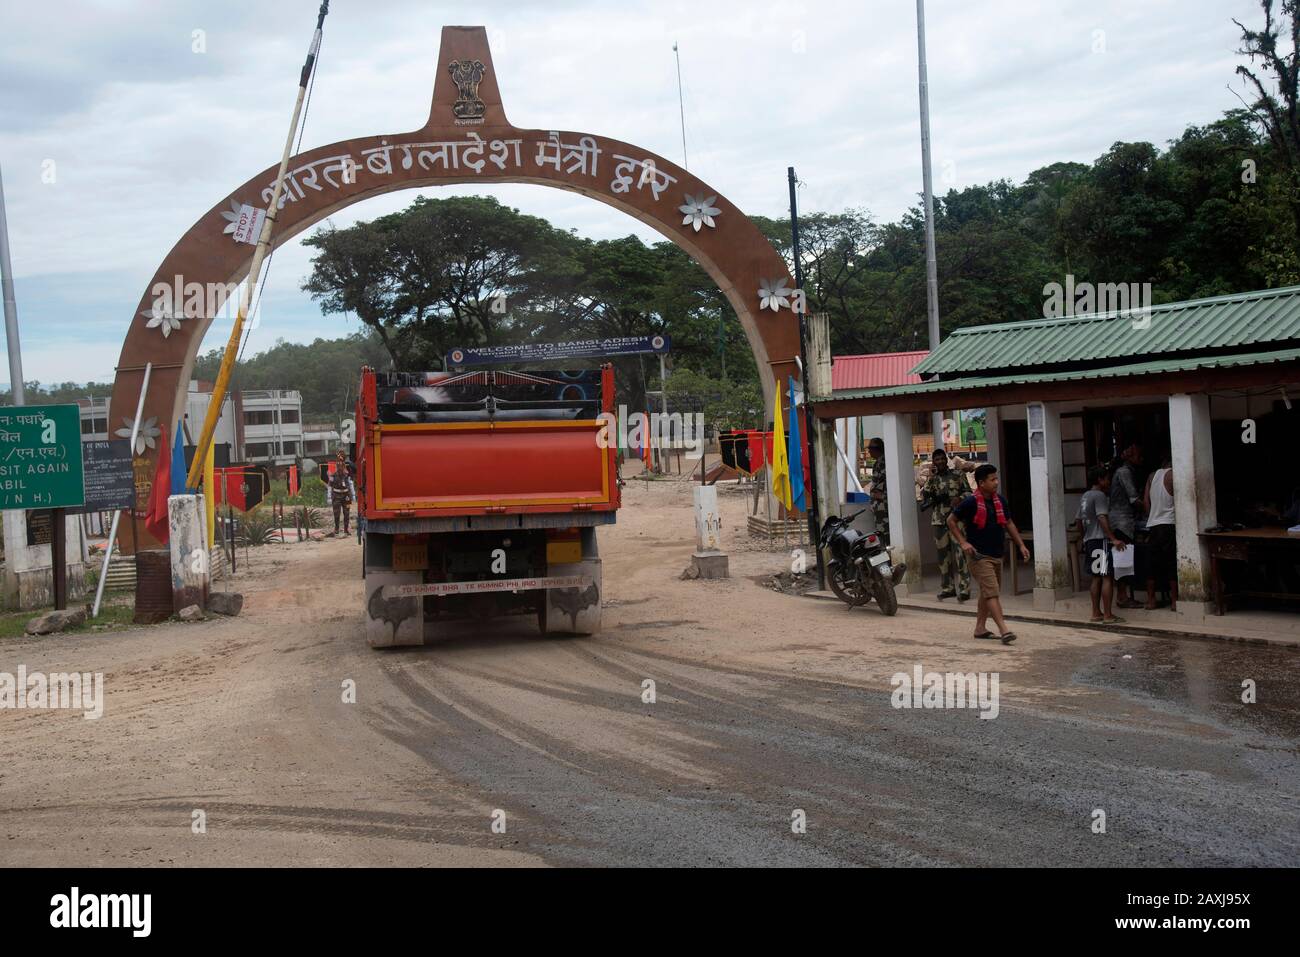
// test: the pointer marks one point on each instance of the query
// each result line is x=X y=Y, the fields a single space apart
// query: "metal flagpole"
x=11 y=307
x=263 y=244
x=931 y=264
x=810 y=489
x=117 y=516
x=681 y=105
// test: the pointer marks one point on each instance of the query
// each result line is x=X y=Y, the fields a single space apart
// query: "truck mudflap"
x=393 y=621
x=574 y=610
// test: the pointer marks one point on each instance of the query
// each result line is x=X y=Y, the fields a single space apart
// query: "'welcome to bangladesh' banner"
x=540 y=351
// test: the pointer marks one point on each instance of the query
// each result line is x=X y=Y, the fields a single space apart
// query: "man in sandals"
x=988 y=522
x=1099 y=539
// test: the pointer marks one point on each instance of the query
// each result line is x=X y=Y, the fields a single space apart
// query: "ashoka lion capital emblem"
x=467 y=75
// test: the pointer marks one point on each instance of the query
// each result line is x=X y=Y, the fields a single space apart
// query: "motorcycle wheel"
x=848 y=585
x=886 y=597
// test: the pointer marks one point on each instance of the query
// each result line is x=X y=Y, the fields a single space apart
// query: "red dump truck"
x=480 y=494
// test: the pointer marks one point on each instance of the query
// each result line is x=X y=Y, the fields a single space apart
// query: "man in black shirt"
x=987 y=520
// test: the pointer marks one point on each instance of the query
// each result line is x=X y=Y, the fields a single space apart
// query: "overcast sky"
x=142 y=135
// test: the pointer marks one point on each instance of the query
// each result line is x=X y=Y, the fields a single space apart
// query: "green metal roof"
x=1224 y=322
x=1153 y=367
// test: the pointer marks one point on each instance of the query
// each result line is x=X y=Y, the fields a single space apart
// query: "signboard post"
x=112 y=534
x=40 y=467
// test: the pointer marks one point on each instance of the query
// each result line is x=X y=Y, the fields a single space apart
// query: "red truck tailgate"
x=491 y=466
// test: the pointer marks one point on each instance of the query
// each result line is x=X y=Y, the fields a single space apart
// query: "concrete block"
x=710 y=565
x=708 y=520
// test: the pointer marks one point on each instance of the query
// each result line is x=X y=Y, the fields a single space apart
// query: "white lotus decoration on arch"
x=699 y=211
x=231 y=216
x=144 y=439
x=773 y=294
x=162 y=317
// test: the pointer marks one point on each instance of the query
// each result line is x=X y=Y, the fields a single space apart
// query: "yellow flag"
x=780 y=465
x=209 y=495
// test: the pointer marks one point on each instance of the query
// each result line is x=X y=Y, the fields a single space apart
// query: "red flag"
x=757 y=458
x=155 y=520
x=646 y=455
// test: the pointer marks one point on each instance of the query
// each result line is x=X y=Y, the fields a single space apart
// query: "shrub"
x=258 y=527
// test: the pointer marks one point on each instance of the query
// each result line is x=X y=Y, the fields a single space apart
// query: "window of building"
x=257 y=450
x=259 y=418
x=93 y=426
x=290 y=448
x=289 y=416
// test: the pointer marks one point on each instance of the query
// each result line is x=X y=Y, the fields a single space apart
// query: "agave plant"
x=258 y=527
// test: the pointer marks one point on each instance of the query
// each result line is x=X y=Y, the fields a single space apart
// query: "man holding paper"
x=1101 y=547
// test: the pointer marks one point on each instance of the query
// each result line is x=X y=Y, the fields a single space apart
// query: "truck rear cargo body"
x=480 y=494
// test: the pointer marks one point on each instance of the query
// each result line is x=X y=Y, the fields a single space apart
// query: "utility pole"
x=931 y=265
x=58 y=527
x=11 y=307
x=810 y=490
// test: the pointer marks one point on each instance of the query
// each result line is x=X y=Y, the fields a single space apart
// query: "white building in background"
x=272 y=426
x=319 y=440
x=257 y=426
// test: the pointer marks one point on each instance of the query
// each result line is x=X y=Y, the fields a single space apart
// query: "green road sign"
x=40 y=457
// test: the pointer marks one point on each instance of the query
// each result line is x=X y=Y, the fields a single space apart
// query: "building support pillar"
x=993 y=435
x=1047 y=494
x=1195 y=506
x=904 y=516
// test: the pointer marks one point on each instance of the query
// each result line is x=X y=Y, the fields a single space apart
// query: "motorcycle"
x=858 y=567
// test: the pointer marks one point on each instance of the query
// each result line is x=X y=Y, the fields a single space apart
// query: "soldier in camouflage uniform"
x=945 y=488
x=879 y=493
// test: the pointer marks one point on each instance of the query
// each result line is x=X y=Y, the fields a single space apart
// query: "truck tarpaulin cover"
x=487 y=395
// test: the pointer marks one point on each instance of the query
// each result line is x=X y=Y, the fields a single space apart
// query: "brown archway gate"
x=467 y=139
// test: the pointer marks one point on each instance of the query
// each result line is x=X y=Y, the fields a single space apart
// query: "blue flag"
x=795 y=455
x=178 y=462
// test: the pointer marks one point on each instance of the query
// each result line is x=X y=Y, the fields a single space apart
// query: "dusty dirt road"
x=765 y=703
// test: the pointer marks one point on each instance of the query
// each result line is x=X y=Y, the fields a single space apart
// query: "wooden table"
x=1239 y=547
x=1072 y=539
